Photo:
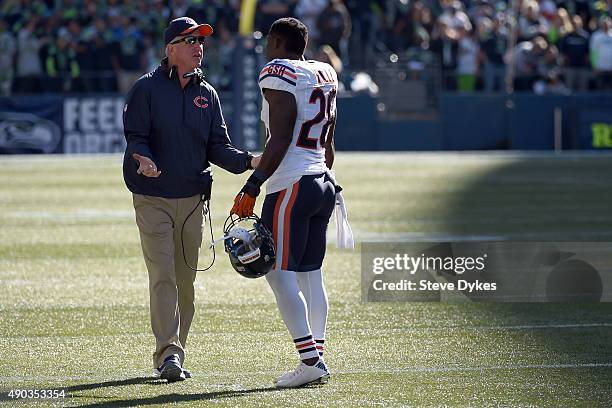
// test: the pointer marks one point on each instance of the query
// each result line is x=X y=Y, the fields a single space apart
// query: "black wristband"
x=257 y=178
x=251 y=189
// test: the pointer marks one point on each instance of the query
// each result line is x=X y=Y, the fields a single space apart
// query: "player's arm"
x=330 y=147
x=282 y=123
x=283 y=109
x=137 y=128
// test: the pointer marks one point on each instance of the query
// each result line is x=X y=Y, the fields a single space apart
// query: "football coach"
x=174 y=129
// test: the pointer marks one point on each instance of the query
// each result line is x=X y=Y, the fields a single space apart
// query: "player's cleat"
x=171 y=369
x=304 y=375
x=283 y=377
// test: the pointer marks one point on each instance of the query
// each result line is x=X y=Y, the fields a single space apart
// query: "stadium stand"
x=80 y=46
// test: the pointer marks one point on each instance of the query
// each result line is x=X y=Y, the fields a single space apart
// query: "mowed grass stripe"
x=455 y=348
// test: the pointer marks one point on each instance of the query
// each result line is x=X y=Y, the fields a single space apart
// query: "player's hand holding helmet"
x=244 y=203
x=251 y=251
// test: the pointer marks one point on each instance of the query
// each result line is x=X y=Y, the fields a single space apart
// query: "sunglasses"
x=190 y=40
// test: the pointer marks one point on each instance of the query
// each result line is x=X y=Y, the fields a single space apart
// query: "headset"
x=205 y=195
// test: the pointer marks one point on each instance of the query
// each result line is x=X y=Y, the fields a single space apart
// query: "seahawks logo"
x=27 y=133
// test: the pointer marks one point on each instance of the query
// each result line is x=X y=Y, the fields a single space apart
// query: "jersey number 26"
x=325 y=114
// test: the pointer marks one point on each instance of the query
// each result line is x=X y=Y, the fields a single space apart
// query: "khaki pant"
x=171 y=289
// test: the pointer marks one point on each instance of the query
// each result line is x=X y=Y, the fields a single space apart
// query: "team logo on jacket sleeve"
x=200 y=102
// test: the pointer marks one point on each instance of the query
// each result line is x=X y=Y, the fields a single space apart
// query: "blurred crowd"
x=104 y=46
x=558 y=46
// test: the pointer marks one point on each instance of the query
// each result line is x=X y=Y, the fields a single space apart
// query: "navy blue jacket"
x=181 y=130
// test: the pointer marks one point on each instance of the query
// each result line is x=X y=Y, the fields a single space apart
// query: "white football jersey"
x=314 y=85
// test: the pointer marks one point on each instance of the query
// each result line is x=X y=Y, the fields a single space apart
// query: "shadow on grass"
x=116 y=383
x=84 y=387
x=160 y=399
x=542 y=199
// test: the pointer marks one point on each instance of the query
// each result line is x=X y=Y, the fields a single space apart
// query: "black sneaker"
x=171 y=369
x=157 y=372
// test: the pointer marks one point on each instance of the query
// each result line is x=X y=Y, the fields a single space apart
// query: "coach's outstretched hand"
x=147 y=167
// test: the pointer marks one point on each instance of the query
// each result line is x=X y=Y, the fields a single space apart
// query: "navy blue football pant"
x=298 y=218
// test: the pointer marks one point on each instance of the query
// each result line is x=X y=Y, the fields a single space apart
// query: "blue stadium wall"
x=481 y=122
x=92 y=124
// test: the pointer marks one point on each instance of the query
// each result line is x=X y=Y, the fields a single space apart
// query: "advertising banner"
x=596 y=129
x=92 y=124
x=31 y=125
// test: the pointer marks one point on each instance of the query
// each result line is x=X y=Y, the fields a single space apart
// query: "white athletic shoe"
x=283 y=377
x=304 y=375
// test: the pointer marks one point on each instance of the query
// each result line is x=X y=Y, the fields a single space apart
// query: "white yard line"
x=443 y=155
x=80 y=214
x=423 y=237
x=478 y=368
x=356 y=331
x=492 y=328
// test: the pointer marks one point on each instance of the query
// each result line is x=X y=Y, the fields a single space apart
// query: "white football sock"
x=311 y=285
x=292 y=307
x=306 y=347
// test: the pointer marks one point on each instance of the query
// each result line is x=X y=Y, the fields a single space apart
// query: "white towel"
x=344 y=233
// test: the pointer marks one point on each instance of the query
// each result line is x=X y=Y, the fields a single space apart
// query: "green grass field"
x=74 y=294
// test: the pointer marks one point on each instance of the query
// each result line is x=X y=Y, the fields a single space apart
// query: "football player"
x=299 y=112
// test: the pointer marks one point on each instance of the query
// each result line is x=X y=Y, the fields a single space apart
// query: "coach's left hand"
x=244 y=203
x=255 y=161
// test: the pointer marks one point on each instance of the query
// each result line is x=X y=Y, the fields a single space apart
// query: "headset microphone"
x=195 y=72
